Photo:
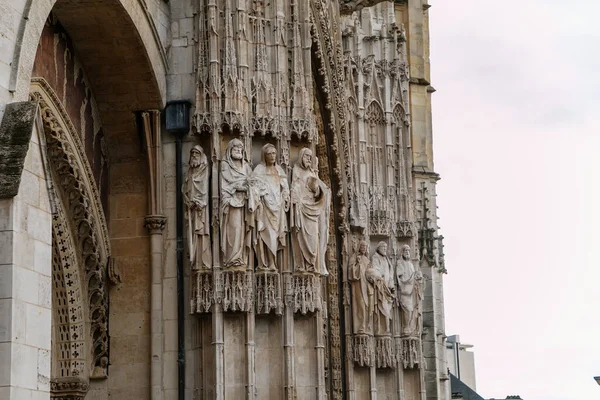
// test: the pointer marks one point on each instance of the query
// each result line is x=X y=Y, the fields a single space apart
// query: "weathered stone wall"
x=25 y=283
x=129 y=371
x=56 y=61
x=181 y=76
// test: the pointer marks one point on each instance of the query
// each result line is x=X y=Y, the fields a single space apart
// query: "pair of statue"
x=254 y=207
x=373 y=286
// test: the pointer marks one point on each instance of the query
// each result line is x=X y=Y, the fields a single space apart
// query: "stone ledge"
x=15 y=133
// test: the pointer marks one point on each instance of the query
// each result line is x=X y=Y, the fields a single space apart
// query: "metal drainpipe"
x=179 y=233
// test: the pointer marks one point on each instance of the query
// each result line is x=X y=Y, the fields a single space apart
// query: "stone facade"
x=284 y=246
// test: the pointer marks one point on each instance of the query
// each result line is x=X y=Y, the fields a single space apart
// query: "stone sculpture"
x=381 y=276
x=309 y=216
x=195 y=196
x=362 y=290
x=100 y=371
x=237 y=206
x=269 y=182
x=410 y=288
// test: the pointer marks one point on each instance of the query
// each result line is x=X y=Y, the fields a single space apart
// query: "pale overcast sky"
x=517 y=142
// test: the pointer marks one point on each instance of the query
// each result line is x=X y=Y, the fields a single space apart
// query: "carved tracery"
x=81 y=247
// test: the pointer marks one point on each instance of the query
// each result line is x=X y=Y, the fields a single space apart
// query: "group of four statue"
x=253 y=211
x=373 y=284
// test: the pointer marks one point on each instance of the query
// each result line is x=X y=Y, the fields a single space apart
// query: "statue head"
x=235 y=150
x=363 y=247
x=405 y=252
x=269 y=154
x=197 y=157
x=382 y=248
x=305 y=158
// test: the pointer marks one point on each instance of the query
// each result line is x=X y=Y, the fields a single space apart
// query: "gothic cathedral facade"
x=231 y=199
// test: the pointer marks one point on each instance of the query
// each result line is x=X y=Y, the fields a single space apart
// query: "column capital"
x=155 y=223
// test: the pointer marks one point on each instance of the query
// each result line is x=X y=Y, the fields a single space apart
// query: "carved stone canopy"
x=349 y=6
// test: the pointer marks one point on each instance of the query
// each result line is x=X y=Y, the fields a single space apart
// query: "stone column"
x=321 y=391
x=155 y=225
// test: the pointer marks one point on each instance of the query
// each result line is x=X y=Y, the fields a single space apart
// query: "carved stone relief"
x=75 y=185
x=262 y=90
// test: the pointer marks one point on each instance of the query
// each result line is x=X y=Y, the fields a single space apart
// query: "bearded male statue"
x=237 y=206
x=382 y=277
x=195 y=197
x=271 y=185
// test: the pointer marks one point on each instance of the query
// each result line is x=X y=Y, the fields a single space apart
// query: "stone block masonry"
x=25 y=265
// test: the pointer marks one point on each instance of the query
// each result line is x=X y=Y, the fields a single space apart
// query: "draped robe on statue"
x=362 y=293
x=195 y=196
x=271 y=185
x=237 y=207
x=309 y=218
x=410 y=281
x=381 y=276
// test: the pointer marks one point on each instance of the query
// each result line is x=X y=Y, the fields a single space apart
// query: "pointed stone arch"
x=331 y=95
x=81 y=252
x=93 y=27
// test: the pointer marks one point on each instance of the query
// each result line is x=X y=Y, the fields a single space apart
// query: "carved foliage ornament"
x=76 y=186
x=326 y=37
